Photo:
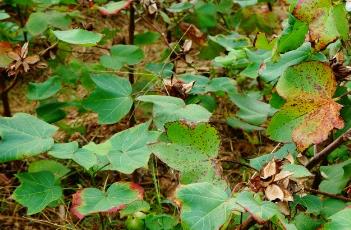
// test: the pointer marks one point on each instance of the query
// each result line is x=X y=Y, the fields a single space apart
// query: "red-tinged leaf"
x=192 y=32
x=310 y=113
x=5 y=48
x=323 y=28
x=316 y=125
x=113 y=8
x=117 y=196
x=307 y=10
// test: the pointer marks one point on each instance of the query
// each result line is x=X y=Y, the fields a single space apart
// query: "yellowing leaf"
x=314 y=78
x=316 y=125
x=310 y=113
x=319 y=14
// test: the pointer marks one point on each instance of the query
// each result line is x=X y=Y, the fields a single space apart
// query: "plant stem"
x=4 y=96
x=327 y=150
x=154 y=179
x=132 y=120
x=22 y=22
x=328 y=194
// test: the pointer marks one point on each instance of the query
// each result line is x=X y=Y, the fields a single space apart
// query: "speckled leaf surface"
x=190 y=150
x=324 y=26
x=313 y=78
x=310 y=113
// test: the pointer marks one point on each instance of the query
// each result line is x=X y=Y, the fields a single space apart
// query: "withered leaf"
x=274 y=192
x=269 y=170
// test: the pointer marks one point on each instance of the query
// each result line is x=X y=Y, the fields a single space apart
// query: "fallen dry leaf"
x=269 y=170
x=274 y=192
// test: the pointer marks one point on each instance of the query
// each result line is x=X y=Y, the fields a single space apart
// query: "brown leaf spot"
x=316 y=125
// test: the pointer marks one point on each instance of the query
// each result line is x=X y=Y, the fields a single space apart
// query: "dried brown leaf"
x=274 y=192
x=269 y=170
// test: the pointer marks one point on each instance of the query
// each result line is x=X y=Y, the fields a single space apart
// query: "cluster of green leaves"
x=291 y=70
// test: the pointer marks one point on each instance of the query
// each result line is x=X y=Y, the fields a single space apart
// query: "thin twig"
x=327 y=150
x=315 y=191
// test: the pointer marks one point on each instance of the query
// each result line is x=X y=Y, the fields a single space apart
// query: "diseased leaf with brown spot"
x=323 y=30
x=306 y=10
x=316 y=125
x=322 y=25
x=313 y=78
x=310 y=113
x=117 y=196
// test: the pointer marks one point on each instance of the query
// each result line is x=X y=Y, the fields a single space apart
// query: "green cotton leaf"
x=136 y=206
x=168 y=109
x=332 y=206
x=24 y=135
x=111 y=99
x=239 y=124
x=44 y=90
x=255 y=58
x=340 y=17
x=179 y=7
x=260 y=210
x=234 y=59
x=37 y=23
x=129 y=149
x=205 y=206
x=4 y=15
x=122 y=55
x=231 y=41
x=271 y=70
x=335 y=177
x=93 y=200
x=206 y=15
x=58 y=19
x=86 y=156
x=251 y=110
x=56 y=168
x=205 y=85
x=262 y=160
x=125 y=151
x=293 y=35
x=112 y=8
x=340 y=220
x=313 y=204
x=51 y=111
x=160 y=222
x=262 y=42
x=190 y=150
x=163 y=70
x=245 y=3
x=78 y=37
x=305 y=222
x=298 y=171
x=146 y=38
x=36 y=191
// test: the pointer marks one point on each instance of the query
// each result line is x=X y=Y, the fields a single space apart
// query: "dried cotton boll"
x=348 y=6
